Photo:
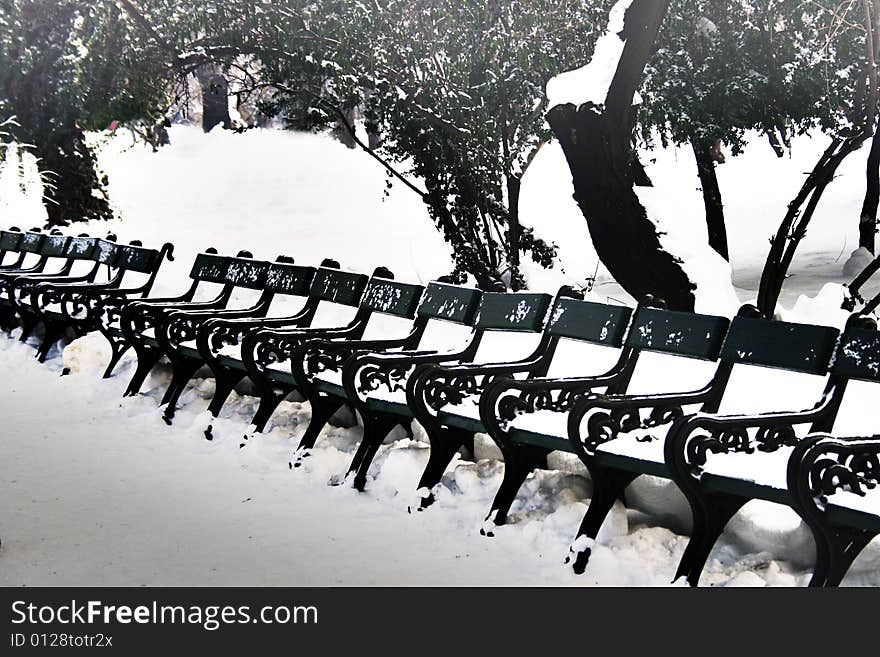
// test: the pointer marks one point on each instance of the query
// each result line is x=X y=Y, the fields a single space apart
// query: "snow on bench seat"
x=850 y=509
x=765 y=470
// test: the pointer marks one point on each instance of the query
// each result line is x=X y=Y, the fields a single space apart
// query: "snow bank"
x=21 y=191
x=270 y=192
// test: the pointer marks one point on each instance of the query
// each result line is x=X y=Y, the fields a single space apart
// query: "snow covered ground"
x=96 y=489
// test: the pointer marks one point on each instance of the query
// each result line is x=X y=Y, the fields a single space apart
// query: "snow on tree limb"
x=591 y=83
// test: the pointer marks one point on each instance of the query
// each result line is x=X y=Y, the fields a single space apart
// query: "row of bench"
x=648 y=391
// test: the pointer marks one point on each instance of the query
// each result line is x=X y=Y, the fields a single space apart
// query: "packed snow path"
x=97 y=490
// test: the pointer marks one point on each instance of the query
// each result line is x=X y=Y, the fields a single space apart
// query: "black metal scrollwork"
x=443 y=389
x=224 y=335
x=843 y=467
x=182 y=329
x=274 y=349
x=320 y=358
x=514 y=403
x=372 y=377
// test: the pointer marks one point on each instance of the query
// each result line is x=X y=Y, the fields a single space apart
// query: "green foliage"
x=724 y=67
x=60 y=64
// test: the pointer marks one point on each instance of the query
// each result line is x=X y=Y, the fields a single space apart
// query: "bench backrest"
x=133 y=257
x=31 y=242
x=500 y=311
x=81 y=248
x=800 y=348
x=290 y=279
x=588 y=321
x=340 y=287
x=247 y=273
x=209 y=267
x=10 y=240
x=55 y=246
x=450 y=303
x=106 y=252
x=858 y=356
x=677 y=333
x=389 y=297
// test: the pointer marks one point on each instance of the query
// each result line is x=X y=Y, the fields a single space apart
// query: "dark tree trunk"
x=797 y=218
x=597 y=142
x=513 y=231
x=215 y=97
x=69 y=164
x=868 y=217
x=711 y=196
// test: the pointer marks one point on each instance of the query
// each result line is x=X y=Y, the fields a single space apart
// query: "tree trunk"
x=711 y=197
x=597 y=142
x=868 y=217
x=215 y=97
x=68 y=162
x=797 y=218
x=513 y=231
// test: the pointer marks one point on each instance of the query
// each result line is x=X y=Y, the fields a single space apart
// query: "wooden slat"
x=769 y=343
x=592 y=322
x=452 y=303
x=680 y=333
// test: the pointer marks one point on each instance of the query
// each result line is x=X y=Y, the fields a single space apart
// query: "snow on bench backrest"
x=513 y=325
x=678 y=350
x=858 y=360
x=81 y=248
x=10 y=241
x=778 y=366
x=289 y=283
x=450 y=311
x=138 y=262
x=209 y=269
x=31 y=242
x=249 y=278
x=590 y=336
x=54 y=246
x=339 y=292
x=393 y=306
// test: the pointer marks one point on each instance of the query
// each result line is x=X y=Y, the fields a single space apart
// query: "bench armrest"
x=265 y=347
x=612 y=415
x=312 y=357
x=218 y=332
x=434 y=386
x=365 y=372
x=183 y=325
x=693 y=437
x=822 y=465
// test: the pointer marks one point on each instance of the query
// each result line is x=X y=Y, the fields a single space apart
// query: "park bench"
x=621 y=437
x=70 y=304
x=45 y=255
x=219 y=339
x=11 y=257
x=832 y=479
x=508 y=336
x=528 y=419
x=214 y=280
x=178 y=335
x=23 y=248
x=85 y=258
x=265 y=352
x=318 y=364
x=380 y=296
x=37 y=251
x=833 y=482
x=9 y=246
